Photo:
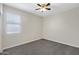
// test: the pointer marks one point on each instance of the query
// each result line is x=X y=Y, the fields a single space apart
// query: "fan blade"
x=48 y=8
x=37 y=9
x=48 y=4
x=39 y=5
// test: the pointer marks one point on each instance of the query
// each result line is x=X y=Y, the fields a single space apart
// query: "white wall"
x=31 y=29
x=0 y=28
x=63 y=27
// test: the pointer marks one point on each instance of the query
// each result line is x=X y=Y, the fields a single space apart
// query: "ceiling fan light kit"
x=43 y=7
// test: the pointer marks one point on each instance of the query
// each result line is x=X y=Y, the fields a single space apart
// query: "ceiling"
x=55 y=8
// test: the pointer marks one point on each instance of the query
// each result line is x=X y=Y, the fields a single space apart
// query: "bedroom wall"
x=30 y=31
x=63 y=27
x=0 y=28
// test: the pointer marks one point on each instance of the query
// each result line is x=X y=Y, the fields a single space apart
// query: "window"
x=13 y=23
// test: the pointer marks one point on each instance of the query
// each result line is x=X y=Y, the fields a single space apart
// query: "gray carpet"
x=42 y=47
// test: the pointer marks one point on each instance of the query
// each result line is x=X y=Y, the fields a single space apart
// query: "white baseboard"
x=20 y=44
x=73 y=45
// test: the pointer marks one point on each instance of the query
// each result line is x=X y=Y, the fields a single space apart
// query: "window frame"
x=8 y=23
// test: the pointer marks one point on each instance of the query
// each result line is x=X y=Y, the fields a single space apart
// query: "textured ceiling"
x=56 y=7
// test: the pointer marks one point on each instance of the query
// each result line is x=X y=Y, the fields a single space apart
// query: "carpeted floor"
x=42 y=47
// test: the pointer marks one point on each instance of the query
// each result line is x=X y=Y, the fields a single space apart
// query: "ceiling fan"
x=43 y=7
